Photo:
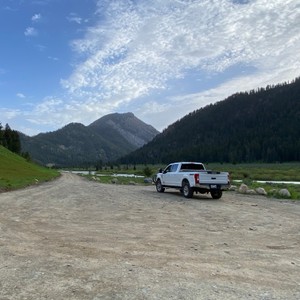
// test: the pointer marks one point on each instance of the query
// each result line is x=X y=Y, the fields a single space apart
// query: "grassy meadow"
x=263 y=171
x=254 y=171
x=246 y=173
x=251 y=173
x=16 y=172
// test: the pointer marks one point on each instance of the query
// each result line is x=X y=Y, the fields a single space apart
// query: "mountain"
x=106 y=139
x=125 y=126
x=255 y=126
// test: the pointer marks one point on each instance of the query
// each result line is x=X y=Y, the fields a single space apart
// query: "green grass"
x=254 y=171
x=118 y=179
x=248 y=173
x=16 y=172
x=272 y=189
x=274 y=172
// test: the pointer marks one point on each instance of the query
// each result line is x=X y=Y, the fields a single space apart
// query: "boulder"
x=132 y=183
x=148 y=180
x=251 y=192
x=233 y=188
x=261 y=191
x=284 y=193
x=114 y=180
x=243 y=188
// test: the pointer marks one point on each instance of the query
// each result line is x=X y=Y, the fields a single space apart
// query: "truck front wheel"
x=159 y=186
x=216 y=194
x=187 y=190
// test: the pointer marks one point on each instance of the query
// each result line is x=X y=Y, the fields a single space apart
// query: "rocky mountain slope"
x=106 y=139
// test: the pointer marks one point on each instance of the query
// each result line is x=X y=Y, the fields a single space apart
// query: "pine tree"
x=10 y=139
x=1 y=134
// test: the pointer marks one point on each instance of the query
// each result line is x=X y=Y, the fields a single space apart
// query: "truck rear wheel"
x=216 y=194
x=187 y=190
x=159 y=186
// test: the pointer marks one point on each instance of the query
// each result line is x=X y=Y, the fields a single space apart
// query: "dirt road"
x=77 y=239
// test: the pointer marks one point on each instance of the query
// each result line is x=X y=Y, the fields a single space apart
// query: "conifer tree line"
x=10 y=139
x=255 y=126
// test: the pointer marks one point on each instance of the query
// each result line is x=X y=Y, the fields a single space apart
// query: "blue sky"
x=64 y=61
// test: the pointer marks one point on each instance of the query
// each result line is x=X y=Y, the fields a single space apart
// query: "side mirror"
x=160 y=170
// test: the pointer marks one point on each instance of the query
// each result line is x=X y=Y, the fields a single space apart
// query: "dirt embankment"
x=77 y=239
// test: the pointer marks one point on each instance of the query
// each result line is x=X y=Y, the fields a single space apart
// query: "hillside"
x=255 y=126
x=16 y=172
x=106 y=139
x=125 y=126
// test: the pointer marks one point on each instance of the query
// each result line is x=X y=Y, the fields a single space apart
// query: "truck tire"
x=216 y=194
x=159 y=186
x=187 y=190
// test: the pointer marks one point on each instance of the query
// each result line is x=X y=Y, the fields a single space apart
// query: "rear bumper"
x=212 y=186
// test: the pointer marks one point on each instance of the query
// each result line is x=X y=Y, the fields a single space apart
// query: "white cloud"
x=48 y=105
x=21 y=95
x=73 y=17
x=40 y=47
x=8 y=114
x=140 y=47
x=36 y=17
x=30 y=31
x=56 y=112
x=53 y=58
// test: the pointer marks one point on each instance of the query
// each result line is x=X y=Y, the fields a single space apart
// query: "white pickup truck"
x=190 y=177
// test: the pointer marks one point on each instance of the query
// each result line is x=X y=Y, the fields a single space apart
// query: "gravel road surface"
x=77 y=239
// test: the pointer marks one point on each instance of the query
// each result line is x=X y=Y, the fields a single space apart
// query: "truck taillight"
x=196 y=176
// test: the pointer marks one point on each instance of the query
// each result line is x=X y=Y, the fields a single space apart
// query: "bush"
x=147 y=172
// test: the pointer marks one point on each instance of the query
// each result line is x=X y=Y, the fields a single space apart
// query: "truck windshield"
x=191 y=167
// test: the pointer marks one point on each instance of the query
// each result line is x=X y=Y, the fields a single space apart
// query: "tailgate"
x=213 y=177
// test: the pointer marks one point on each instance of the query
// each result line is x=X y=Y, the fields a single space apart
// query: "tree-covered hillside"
x=77 y=145
x=255 y=126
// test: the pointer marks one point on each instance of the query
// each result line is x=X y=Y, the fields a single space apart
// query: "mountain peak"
x=126 y=125
x=106 y=139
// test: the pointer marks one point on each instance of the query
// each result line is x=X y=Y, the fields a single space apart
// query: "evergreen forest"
x=10 y=139
x=261 y=125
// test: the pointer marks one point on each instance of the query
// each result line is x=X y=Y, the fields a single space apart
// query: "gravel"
x=77 y=239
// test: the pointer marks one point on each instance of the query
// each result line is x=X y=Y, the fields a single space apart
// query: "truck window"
x=168 y=169
x=174 y=168
x=191 y=167
x=171 y=168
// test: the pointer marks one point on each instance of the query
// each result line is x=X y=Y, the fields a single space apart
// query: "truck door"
x=169 y=176
x=166 y=175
